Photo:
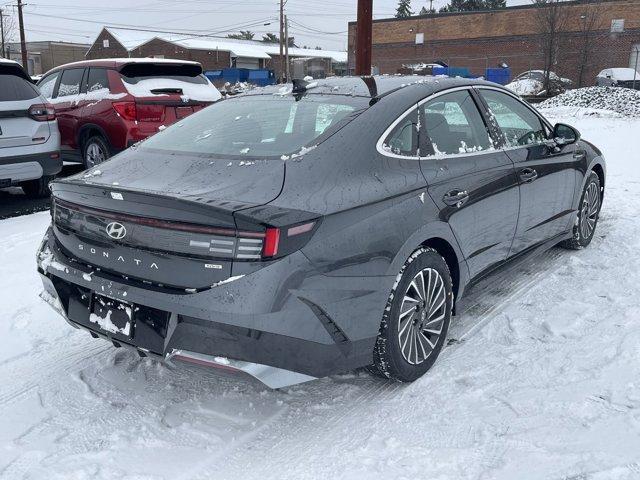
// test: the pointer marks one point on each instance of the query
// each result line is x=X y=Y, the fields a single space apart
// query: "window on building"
x=70 y=82
x=520 y=126
x=453 y=125
x=105 y=43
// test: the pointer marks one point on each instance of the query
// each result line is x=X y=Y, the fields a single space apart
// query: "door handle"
x=456 y=198
x=579 y=154
x=528 y=175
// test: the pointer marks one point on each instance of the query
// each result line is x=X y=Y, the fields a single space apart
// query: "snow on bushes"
x=624 y=101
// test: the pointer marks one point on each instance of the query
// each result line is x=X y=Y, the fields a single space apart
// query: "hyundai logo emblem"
x=116 y=230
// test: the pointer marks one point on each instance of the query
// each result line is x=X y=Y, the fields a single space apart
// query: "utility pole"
x=364 y=27
x=635 y=69
x=281 y=40
x=1 y=34
x=286 y=48
x=23 y=43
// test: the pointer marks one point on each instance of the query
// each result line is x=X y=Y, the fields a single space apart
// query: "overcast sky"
x=313 y=22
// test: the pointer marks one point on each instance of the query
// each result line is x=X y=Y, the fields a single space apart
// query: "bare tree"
x=591 y=18
x=8 y=29
x=551 y=21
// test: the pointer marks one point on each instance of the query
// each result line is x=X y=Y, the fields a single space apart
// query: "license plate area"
x=112 y=316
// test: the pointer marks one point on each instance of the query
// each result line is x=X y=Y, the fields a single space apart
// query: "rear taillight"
x=149 y=113
x=42 y=112
x=279 y=242
x=271 y=241
x=126 y=110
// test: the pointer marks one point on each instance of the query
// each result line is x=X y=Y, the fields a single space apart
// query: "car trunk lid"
x=173 y=225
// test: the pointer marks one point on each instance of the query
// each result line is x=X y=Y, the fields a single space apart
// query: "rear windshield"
x=259 y=125
x=14 y=88
x=137 y=72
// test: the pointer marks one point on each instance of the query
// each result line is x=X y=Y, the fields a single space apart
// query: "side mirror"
x=565 y=134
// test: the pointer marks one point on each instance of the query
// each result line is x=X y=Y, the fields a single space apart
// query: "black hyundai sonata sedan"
x=299 y=231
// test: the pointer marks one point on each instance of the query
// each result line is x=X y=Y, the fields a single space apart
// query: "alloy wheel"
x=95 y=154
x=422 y=315
x=589 y=211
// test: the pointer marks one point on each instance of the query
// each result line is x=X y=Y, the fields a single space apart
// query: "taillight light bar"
x=42 y=112
x=271 y=243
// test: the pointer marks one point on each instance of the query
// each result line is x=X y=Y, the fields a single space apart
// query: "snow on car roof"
x=620 y=73
x=132 y=39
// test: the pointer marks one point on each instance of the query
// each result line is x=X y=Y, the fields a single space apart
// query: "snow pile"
x=624 y=101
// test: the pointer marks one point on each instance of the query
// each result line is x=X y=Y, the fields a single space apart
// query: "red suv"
x=104 y=106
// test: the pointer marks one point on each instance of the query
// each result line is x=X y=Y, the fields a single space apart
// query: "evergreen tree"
x=471 y=5
x=404 y=9
x=427 y=11
x=270 y=38
x=243 y=35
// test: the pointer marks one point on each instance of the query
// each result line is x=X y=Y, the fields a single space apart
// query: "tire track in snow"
x=40 y=370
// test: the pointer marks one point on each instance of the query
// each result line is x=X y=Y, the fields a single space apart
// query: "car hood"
x=229 y=183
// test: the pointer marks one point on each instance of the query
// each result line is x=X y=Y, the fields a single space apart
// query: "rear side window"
x=453 y=125
x=97 y=80
x=520 y=126
x=70 y=82
x=47 y=84
x=403 y=139
x=13 y=88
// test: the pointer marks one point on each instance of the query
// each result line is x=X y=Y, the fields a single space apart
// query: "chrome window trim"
x=395 y=123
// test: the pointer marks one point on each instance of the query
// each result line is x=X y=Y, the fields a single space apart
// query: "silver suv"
x=29 y=136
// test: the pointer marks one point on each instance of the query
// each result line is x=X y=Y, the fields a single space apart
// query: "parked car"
x=531 y=83
x=296 y=232
x=105 y=106
x=619 y=77
x=29 y=137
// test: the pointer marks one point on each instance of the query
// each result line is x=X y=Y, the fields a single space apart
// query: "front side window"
x=258 y=125
x=453 y=125
x=403 y=139
x=47 y=84
x=70 y=82
x=520 y=126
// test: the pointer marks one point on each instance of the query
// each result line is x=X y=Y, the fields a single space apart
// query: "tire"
x=403 y=351
x=95 y=150
x=588 y=215
x=37 y=188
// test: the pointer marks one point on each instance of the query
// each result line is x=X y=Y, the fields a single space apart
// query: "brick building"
x=212 y=52
x=486 y=39
x=43 y=56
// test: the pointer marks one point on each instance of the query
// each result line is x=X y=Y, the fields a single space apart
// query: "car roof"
x=119 y=63
x=13 y=68
x=373 y=87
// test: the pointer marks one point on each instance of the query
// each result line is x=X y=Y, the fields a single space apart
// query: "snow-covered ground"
x=541 y=380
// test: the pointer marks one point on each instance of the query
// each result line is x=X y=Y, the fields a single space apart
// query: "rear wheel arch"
x=89 y=130
x=597 y=168
x=448 y=253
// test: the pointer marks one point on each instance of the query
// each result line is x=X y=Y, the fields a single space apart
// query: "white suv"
x=29 y=136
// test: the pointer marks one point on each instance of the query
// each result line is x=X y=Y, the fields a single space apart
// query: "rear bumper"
x=21 y=168
x=285 y=316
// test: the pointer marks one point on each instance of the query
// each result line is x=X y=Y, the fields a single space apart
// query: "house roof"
x=132 y=39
